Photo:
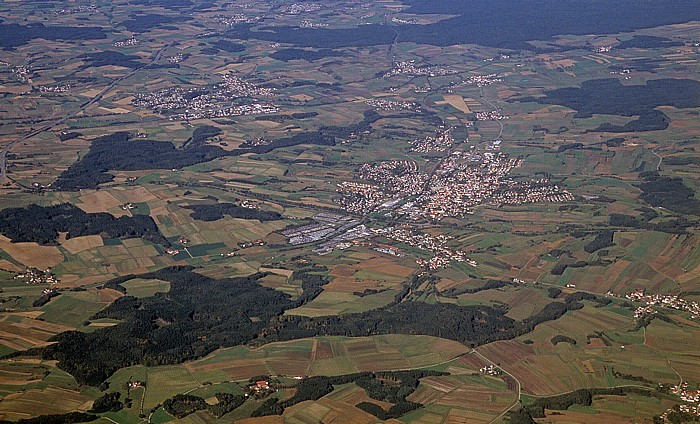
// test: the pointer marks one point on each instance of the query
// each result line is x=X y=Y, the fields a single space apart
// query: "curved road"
x=97 y=98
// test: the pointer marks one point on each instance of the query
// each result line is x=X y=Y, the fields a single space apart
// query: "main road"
x=49 y=126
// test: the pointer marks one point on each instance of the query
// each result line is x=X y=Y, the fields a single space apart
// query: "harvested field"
x=99 y=201
x=457 y=102
x=330 y=356
x=34 y=402
x=79 y=244
x=20 y=332
x=32 y=254
x=137 y=195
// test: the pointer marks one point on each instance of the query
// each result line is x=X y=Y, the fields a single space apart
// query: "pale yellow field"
x=98 y=201
x=32 y=254
x=79 y=244
x=457 y=102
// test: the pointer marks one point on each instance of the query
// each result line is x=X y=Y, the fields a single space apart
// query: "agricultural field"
x=195 y=194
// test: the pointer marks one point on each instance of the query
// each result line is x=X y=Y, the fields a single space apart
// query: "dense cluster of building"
x=53 y=88
x=309 y=24
x=484 y=80
x=360 y=198
x=325 y=225
x=235 y=19
x=125 y=43
x=231 y=97
x=299 y=8
x=389 y=182
x=492 y=115
x=334 y=231
x=467 y=179
x=176 y=58
x=409 y=68
x=35 y=276
x=436 y=245
x=23 y=74
x=461 y=181
x=670 y=301
x=438 y=143
x=692 y=397
x=403 y=21
x=259 y=388
x=78 y=9
x=491 y=370
x=344 y=237
x=384 y=104
x=685 y=394
x=643 y=311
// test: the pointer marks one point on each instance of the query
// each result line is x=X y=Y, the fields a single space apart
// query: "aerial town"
x=439 y=143
x=402 y=211
x=484 y=80
x=126 y=43
x=460 y=182
x=691 y=397
x=36 y=276
x=334 y=231
x=409 y=68
x=384 y=104
x=299 y=8
x=670 y=301
x=231 y=97
x=235 y=19
x=436 y=245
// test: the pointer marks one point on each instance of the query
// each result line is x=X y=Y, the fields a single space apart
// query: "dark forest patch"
x=287 y=117
x=212 y=212
x=13 y=35
x=229 y=46
x=648 y=42
x=286 y=55
x=610 y=97
x=143 y=23
x=670 y=193
x=111 y=58
x=117 y=152
x=499 y=23
x=41 y=224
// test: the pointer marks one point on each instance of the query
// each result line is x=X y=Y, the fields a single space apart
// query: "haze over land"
x=342 y=211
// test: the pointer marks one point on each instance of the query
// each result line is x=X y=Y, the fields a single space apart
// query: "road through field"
x=517 y=401
x=95 y=99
